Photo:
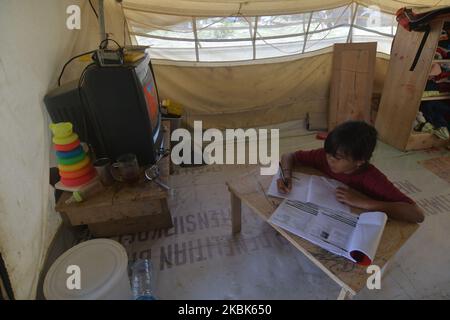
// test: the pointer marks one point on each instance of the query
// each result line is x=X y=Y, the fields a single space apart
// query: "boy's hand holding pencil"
x=284 y=183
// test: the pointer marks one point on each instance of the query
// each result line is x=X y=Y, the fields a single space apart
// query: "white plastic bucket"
x=103 y=273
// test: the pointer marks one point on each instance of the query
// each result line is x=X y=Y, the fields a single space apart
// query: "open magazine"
x=355 y=237
x=312 y=212
x=311 y=189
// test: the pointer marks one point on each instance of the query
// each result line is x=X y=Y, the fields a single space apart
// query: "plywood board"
x=403 y=88
x=352 y=82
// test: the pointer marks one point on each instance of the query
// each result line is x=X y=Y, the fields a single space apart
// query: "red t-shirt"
x=369 y=181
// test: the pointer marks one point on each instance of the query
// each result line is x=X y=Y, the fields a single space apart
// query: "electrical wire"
x=70 y=60
x=93 y=9
x=80 y=95
x=107 y=40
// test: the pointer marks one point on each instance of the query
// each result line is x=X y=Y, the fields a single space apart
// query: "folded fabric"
x=435 y=69
x=443 y=87
x=444 y=80
x=442 y=133
x=431 y=93
x=436 y=112
x=442 y=75
x=428 y=127
x=445 y=43
x=445 y=66
x=431 y=86
x=420 y=118
x=441 y=52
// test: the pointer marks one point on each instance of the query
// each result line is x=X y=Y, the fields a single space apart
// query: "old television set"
x=115 y=109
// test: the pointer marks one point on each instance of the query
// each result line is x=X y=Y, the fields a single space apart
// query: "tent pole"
x=101 y=20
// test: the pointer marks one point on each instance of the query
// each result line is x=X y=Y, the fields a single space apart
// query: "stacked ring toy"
x=75 y=167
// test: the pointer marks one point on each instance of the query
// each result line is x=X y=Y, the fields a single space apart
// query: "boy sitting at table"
x=345 y=157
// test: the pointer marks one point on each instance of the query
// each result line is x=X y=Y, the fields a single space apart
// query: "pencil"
x=282 y=175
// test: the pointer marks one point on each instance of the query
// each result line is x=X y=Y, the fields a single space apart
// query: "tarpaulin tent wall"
x=32 y=51
x=213 y=92
x=35 y=44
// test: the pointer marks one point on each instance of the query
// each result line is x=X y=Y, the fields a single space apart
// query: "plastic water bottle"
x=141 y=280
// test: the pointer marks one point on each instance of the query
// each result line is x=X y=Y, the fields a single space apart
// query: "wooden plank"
x=344 y=295
x=125 y=226
x=441 y=60
x=424 y=140
x=403 y=89
x=118 y=193
x=352 y=82
x=440 y=97
x=251 y=189
x=113 y=213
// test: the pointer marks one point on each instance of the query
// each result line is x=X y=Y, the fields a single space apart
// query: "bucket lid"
x=103 y=263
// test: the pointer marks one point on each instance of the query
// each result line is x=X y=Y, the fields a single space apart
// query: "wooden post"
x=235 y=213
x=345 y=295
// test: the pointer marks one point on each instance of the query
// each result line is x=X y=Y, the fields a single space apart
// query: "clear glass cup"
x=126 y=168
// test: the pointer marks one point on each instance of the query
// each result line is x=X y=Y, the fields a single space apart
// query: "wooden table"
x=251 y=189
x=123 y=208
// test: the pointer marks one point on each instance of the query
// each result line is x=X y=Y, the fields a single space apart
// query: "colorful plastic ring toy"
x=76 y=174
x=73 y=160
x=66 y=140
x=66 y=147
x=79 y=181
x=69 y=154
x=74 y=167
x=61 y=129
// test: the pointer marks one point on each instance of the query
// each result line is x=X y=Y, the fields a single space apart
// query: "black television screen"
x=124 y=106
x=120 y=107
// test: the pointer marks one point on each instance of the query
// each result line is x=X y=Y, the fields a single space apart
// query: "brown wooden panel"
x=115 y=212
x=138 y=224
x=403 y=88
x=351 y=83
x=420 y=140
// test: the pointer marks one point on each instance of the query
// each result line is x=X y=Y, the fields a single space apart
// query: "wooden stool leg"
x=344 y=295
x=385 y=269
x=235 y=213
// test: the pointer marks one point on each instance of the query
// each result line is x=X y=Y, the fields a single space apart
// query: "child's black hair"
x=352 y=139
